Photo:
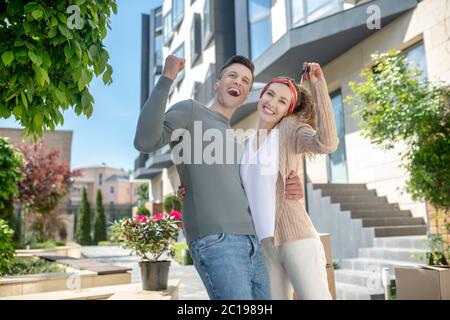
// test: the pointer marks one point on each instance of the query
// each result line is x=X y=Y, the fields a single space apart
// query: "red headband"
x=291 y=87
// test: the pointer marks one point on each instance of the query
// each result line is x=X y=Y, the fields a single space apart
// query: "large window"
x=208 y=29
x=177 y=13
x=196 y=38
x=337 y=161
x=168 y=32
x=305 y=11
x=260 y=26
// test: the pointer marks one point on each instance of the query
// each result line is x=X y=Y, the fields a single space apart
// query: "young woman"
x=292 y=124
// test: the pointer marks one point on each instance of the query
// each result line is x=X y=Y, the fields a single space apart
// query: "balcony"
x=144 y=173
x=159 y=159
x=324 y=39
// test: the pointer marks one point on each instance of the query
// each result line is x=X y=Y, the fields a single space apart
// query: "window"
x=177 y=13
x=305 y=11
x=337 y=161
x=168 y=33
x=260 y=26
x=158 y=19
x=196 y=46
x=100 y=179
x=417 y=58
x=207 y=23
x=158 y=50
x=111 y=190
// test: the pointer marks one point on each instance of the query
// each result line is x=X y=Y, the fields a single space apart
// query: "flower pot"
x=154 y=274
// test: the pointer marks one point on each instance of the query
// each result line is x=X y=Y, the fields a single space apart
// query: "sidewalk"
x=191 y=287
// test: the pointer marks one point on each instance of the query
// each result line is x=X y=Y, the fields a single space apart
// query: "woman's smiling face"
x=274 y=103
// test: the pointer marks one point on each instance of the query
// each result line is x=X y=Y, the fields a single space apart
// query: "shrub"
x=171 y=203
x=6 y=247
x=99 y=219
x=84 y=221
x=142 y=211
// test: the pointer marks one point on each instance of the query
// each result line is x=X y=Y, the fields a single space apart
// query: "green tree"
x=396 y=104
x=11 y=161
x=6 y=247
x=83 y=233
x=99 y=219
x=49 y=53
x=171 y=203
x=142 y=192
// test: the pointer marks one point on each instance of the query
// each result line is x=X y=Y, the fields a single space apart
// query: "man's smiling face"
x=234 y=85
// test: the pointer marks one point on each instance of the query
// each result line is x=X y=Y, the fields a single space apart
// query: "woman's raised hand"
x=316 y=72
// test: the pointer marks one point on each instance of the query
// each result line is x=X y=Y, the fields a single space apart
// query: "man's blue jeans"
x=232 y=267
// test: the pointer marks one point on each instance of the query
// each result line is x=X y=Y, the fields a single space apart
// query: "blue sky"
x=108 y=135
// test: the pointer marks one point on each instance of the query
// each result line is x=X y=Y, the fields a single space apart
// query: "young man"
x=216 y=216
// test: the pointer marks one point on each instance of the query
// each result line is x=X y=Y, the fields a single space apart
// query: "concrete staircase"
x=398 y=236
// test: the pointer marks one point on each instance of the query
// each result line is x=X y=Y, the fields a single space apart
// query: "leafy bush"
x=397 y=105
x=171 y=203
x=33 y=265
x=142 y=211
x=180 y=252
x=47 y=244
x=6 y=247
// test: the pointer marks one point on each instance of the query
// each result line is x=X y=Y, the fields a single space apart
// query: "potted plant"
x=150 y=239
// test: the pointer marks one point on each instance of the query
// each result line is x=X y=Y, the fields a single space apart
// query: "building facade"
x=116 y=186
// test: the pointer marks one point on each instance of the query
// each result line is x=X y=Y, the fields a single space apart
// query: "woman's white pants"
x=298 y=265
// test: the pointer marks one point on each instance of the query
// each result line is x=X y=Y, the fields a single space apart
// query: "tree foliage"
x=48 y=58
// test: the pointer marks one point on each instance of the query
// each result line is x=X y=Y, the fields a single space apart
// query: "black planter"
x=154 y=275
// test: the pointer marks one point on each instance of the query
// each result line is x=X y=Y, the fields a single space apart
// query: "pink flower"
x=176 y=214
x=158 y=216
x=141 y=218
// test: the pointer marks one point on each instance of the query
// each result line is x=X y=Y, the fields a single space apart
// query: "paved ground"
x=191 y=287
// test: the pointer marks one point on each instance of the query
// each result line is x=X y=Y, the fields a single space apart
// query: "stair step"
x=358 y=199
x=362 y=214
x=355 y=192
x=396 y=221
x=411 y=242
x=395 y=231
x=371 y=206
x=340 y=186
x=374 y=265
x=366 y=279
x=397 y=254
x=345 y=291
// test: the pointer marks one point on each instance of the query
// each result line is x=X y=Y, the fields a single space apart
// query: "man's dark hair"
x=237 y=59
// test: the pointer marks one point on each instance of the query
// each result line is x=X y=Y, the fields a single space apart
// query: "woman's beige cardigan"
x=295 y=139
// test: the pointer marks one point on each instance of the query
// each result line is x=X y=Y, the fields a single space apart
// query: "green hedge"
x=180 y=252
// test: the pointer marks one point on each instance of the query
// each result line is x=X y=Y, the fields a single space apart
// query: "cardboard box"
x=423 y=283
x=331 y=281
x=326 y=242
